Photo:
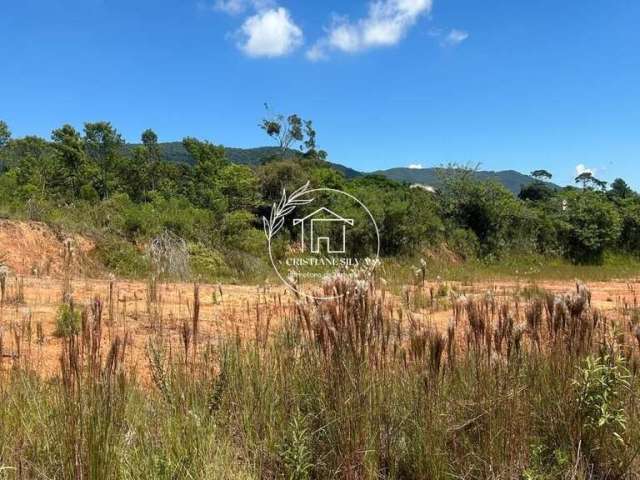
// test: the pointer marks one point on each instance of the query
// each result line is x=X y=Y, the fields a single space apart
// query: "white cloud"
x=415 y=166
x=386 y=23
x=235 y=7
x=581 y=168
x=455 y=37
x=269 y=33
x=344 y=36
x=232 y=7
x=316 y=53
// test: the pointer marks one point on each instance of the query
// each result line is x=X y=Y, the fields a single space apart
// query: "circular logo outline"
x=333 y=190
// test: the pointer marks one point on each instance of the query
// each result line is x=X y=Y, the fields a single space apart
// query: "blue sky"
x=507 y=84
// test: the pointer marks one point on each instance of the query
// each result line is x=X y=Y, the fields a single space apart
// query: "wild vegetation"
x=125 y=197
x=520 y=384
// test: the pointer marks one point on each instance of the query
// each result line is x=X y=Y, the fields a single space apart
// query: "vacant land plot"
x=132 y=309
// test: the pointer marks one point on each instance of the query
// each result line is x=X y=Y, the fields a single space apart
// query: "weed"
x=67 y=321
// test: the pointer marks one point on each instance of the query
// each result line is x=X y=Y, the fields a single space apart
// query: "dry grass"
x=210 y=381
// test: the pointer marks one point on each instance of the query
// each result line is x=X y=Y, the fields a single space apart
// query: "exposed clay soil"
x=34 y=248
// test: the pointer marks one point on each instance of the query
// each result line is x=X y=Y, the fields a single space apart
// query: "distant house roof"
x=422 y=186
x=324 y=209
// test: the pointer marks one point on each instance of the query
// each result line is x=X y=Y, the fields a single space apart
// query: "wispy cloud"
x=386 y=23
x=316 y=53
x=269 y=33
x=236 y=7
x=455 y=37
x=415 y=166
x=232 y=7
x=449 y=38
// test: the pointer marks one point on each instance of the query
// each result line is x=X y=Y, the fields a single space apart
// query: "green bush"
x=500 y=222
x=463 y=242
x=67 y=321
x=602 y=384
x=122 y=258
x=589 y=225
x=208 y=264
x=88 y=193
x=630 y=234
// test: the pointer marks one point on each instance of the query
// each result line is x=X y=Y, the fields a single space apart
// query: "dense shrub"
x=589 y=225
x=122 y=257
x=498 y=220
x=208 y=264
x=630 y=233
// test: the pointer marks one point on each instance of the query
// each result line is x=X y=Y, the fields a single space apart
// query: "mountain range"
x=511 y=179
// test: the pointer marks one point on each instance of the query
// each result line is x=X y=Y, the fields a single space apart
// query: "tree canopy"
x=88 y=179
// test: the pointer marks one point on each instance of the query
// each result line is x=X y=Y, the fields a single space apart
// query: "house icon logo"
x=315 y=229
x=308 y=242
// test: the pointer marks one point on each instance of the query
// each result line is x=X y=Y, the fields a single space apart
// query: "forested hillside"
x=176 y=152
x=434 y=177
x=89 y=182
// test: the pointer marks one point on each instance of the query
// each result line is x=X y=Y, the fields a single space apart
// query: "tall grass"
x=529 y=386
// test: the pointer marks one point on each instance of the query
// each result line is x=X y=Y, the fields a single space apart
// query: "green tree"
x=69 y=148
x=206 y=188
x=630 y=234
x=152 y=156
x=291 y=131
x=536 y=192
x=497 y=219
x=590 y=225
x=539 y=189
x=278 y=175
x=320 y=174
x=134 y=174
x=103 y=145
x=239 y=185
x=589 y=181
x=584 y=178
x=620 y=190
x=5 y=137
x=284 y=130
x=37 y=170
x=142 y=173
x=5 y=134
x=407 y=218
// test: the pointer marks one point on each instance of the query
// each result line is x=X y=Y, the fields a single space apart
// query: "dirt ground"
x=34 y=248
x=27 y=326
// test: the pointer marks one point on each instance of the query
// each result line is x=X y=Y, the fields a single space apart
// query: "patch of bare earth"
x=34 y=248
x=27 y=326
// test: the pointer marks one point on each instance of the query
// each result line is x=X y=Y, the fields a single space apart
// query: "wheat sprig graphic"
x=284 y=207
